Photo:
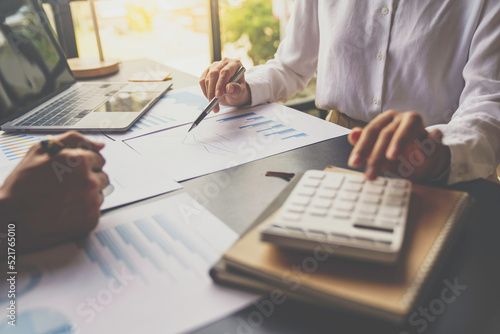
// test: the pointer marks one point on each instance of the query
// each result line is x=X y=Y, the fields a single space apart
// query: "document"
x=132 y=176
x=144 y=270
x=176 y=107
x=233 y=139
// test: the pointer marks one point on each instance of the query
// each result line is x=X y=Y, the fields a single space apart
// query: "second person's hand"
x=214 y=83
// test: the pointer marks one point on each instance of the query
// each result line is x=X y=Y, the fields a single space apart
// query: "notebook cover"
x=384 y=291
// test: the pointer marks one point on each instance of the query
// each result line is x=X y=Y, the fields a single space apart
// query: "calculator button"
x=307 y=192
x=324 y=193
x=295 y=231
x=311 y=183
x=394 y=201
x=364 y=221
x=290 y=216
x=375 y=228
x=349 y=197
x=399 y=184
x=316 y=174
x=333 y=181
x=336 y=237
x=321 y=203
x=342 y=215
x=317 y=234
x=318 y=212
x=372 y=199
x=360 y=179
x=374 y=190
x=364 y=241
x=300 y=200
x=391 y=212
x=396 y=192
x=353 y=187
x=369 y=209
x=296 y=209
x=344 y=206
x=378 y=182
x=389 y=222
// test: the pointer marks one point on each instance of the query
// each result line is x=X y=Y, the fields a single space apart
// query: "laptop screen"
x=33 y=67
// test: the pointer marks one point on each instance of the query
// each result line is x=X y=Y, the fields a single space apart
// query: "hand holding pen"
x=219 y=96
x=214 y=82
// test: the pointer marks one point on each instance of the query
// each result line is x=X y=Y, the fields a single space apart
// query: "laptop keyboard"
x=70 y=108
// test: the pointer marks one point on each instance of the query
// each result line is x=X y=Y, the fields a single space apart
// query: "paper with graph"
x=144 y=270
x=132 y=177
x=233 y=139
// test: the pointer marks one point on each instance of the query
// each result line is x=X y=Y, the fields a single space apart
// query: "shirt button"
x=385 y=10
x=379 y=56
x=375 y=100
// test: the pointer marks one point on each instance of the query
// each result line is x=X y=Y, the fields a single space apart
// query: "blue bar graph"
x=154 y=237
x=108 y=240
x=296 y=136
x=256 y=124
x=94 y=256
x=280 y=132
x=176 y=233
x=222 y=120
x=272 y=127
x=255 y=118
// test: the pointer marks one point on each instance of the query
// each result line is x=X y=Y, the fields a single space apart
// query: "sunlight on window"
x=174 y=33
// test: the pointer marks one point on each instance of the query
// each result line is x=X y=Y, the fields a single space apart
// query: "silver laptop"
x=38 y=91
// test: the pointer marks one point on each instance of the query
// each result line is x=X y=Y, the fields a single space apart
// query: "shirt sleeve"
x=473 y=134
x=295 y=61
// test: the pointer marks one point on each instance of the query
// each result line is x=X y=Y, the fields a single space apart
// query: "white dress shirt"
x=440 y=58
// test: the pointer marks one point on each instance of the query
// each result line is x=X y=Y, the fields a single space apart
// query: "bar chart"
x=13 y=147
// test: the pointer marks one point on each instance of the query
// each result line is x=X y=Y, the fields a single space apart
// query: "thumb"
x=235 y=93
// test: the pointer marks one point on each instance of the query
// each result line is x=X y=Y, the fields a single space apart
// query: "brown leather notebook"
x=389 y=292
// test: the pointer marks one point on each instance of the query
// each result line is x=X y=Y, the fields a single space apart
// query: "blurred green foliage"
x=254 y=20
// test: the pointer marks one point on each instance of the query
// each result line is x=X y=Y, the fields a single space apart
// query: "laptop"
x=38 y=92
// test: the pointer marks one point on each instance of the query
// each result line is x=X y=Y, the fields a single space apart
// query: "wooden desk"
x=475 y=261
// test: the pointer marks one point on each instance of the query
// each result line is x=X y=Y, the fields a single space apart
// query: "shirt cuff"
x=259 y=92
x=463 y=145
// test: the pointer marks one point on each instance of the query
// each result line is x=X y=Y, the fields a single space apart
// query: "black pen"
x=216 y=100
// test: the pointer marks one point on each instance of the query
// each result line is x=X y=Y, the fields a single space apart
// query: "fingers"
x=382 y=141
x=368 y=138
x=411 y=128
x=354 y=136
x=77 y=140
x=103 y=180
x=214 y=83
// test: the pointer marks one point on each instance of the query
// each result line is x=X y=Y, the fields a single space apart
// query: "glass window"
x=251 y=30
x=174 y=33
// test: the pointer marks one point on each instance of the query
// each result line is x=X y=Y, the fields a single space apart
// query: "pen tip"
x=192 y=127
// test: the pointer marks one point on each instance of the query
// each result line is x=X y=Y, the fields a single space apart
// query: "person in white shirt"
x=425 y=75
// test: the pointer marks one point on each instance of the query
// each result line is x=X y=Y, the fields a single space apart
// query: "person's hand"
x=214 y=83
x=397 y=143
x=52 y=199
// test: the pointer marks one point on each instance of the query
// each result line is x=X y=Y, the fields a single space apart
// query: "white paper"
x=132 y=177
x=233 y=139
x=176 y=107
x=144 y=270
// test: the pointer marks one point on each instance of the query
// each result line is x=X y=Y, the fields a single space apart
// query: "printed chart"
x=157 y=255
x=232 y=139
x=13 y=147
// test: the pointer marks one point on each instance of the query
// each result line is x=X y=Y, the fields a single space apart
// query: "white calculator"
x=356 y=218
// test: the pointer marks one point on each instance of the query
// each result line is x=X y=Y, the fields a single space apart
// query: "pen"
x=216 y=100
x=51 y=146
